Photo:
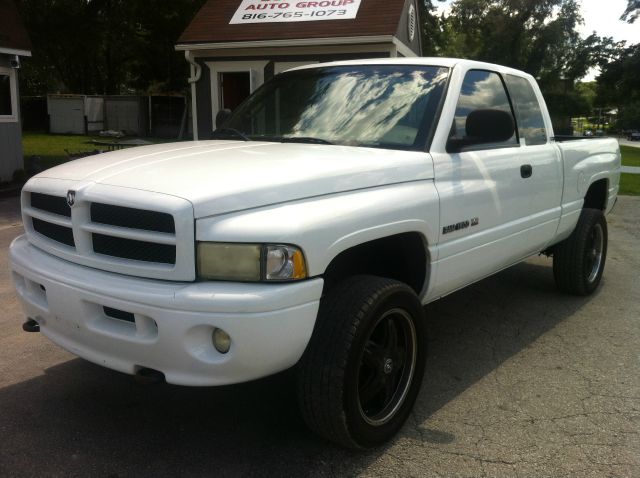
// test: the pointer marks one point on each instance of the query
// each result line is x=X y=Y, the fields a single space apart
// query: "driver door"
x=482 y=196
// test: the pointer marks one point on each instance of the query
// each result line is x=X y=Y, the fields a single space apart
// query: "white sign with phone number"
x=275 y=11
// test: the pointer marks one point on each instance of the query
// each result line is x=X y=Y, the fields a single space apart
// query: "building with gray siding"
x=14 y=44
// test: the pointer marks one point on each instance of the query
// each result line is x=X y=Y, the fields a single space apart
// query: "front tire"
x=578 y=261
x=363 y=368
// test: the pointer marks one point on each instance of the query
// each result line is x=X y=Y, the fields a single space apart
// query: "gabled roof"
x=211 y=24
x=13 y=36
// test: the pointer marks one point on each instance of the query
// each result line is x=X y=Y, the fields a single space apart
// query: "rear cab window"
x=529 y=117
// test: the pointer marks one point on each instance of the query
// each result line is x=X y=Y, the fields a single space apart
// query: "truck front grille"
x=52 y=204
x=61 y=234
x=134 y=250
x=133 y=218
x=135 y=241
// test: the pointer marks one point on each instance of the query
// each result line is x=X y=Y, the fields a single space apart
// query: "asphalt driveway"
x=522 y=381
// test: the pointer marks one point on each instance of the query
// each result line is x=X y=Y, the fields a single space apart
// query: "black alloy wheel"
x=362 y=370
x=578 y=261
x=387 y=366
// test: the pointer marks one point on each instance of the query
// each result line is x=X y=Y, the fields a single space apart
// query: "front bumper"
x=269 y=324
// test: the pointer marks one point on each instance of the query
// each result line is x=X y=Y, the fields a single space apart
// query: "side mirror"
x=484 y=126
x=222 y=116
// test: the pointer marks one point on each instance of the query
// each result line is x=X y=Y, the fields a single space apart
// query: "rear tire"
x=362 y=371
x=578 y=261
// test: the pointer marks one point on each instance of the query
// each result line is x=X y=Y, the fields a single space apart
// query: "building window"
x=8 y=99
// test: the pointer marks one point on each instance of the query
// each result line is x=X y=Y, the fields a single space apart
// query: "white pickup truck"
x=309 y=232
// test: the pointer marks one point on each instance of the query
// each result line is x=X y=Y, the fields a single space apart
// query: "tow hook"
x=148 y=376
x=31 y=326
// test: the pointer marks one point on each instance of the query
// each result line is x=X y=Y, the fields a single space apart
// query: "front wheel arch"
x=403 y=257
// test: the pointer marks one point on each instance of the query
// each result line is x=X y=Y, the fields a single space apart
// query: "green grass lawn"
x=54 y=149
x=630 y=184
x=630 y=156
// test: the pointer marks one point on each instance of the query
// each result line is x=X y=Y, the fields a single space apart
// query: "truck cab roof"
x=426 y=61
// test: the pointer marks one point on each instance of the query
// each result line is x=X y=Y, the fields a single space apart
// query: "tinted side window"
x=530 y=120
x=481 y=90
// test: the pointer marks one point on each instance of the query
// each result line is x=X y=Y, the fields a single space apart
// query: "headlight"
x=221 y=261
x=250 y=262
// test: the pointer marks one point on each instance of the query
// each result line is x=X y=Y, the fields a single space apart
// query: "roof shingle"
x=211 y=24
x=13 y=35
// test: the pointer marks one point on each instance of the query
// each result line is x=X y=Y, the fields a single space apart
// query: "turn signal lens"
x=285 y=263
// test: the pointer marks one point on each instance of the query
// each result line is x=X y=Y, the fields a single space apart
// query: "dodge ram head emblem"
x=71 y=198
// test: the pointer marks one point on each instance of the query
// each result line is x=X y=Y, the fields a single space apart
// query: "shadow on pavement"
x=81 y=419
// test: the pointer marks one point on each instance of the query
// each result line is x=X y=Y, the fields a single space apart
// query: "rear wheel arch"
x=597 y=195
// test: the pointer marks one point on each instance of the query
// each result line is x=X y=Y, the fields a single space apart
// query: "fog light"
x=221 y=341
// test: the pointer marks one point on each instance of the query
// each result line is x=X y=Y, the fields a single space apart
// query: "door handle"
x=526 y=170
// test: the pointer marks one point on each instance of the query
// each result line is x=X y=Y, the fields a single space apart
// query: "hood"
x=225 y=176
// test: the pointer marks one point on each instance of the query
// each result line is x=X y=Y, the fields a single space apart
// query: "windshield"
x=384 y=106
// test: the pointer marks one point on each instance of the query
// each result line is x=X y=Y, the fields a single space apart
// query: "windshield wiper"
x=291 y=139
x=231 y=132
x=304 y=139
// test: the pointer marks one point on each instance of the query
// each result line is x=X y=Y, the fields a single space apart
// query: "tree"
x=619 y=85
x=619 y=81
x=589 y=91
x=62 y=46
x=157 y=66
x=537 y=36
x=105 y=46
x=433 y=37
x=632 y=11
x=499 y=31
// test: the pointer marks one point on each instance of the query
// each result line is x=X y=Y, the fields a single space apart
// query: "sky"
x=601 y=16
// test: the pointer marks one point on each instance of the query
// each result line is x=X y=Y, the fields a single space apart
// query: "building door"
x=236 y=75
x=235 y=86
